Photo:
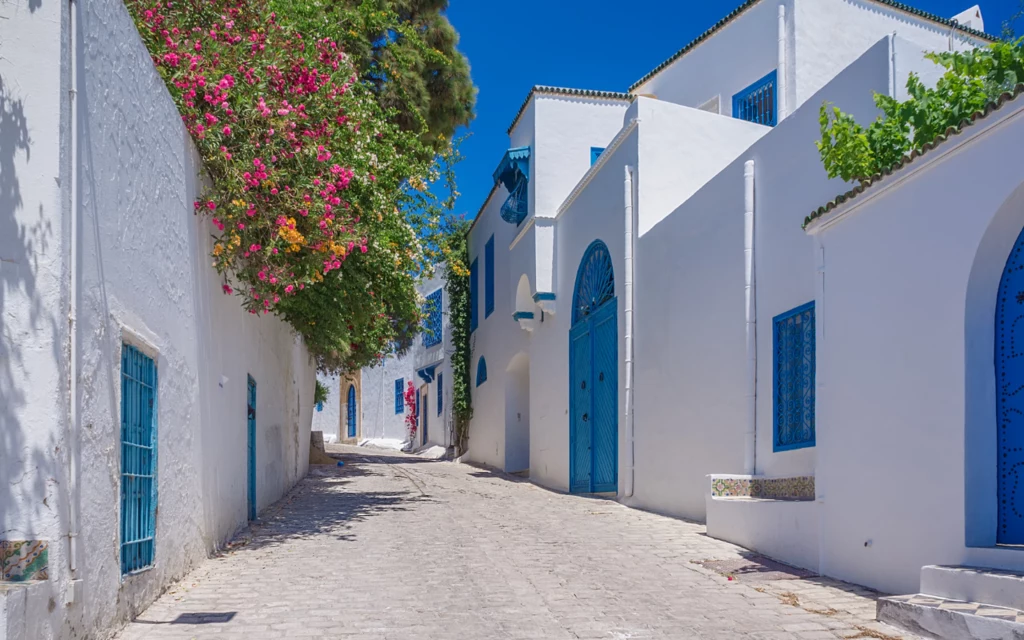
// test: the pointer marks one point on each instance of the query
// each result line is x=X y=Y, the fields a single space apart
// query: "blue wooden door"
x=580 y=409
x=605 y=397
x=351 y=409
x=593 y=376
x=425 y=413
x=251 y=413
x=1009 y=361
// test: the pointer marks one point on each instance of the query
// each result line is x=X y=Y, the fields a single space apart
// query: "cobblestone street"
x=400 y=548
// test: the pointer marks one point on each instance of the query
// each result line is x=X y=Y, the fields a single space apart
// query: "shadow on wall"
x=25 y=468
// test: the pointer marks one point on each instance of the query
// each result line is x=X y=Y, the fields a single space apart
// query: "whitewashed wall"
x=143 y=276
x=911 y=274
x=329 y=420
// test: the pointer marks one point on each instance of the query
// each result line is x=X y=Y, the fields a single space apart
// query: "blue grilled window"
x=595 y=153
x=399 y=400
x=474 y=297
x=432 y=325
x=481 y=371
x=793 y=340
x=138 y=459
x=440 y=393
x=489 y=278
x=758 y=102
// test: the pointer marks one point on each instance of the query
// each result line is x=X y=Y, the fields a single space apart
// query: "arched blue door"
x=1010 y=397
x=593 y=376
x=351 y=411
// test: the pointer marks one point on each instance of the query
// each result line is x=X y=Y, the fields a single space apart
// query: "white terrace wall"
x=906 y=384
x=143 y=276
x=330 y=418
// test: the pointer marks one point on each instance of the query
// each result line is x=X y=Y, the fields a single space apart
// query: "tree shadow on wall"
x=27 y=243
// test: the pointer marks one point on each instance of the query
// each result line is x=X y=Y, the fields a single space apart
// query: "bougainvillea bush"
x=311 y=186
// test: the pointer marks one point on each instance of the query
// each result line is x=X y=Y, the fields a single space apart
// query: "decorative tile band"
x=795 y=488
x=24 y=560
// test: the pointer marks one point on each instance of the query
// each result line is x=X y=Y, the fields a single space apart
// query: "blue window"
x=793 y=340
x=432 y=324
x=481 y=371
x=595 y=153
x=474 y=297
x=489 y=277
x=440 y=393
x=138 y=459
x=758 y=102
x=399 y=400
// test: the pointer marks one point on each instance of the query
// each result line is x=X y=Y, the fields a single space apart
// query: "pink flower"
x=227 y=289
x=227 y=131
x=289 y=288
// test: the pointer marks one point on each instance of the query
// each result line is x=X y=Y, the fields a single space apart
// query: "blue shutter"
x=758 y=102
x=481 y=371
x=138 y=459
x=399 y=400
x=432 y=323
x=595 y=153
x=474 y=297
x=794 y=366
x=489 y=269
x=440 y=393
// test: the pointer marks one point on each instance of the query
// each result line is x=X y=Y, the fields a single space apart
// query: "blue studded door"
x=351 y=410
x=1009 y=361
x=593 y=376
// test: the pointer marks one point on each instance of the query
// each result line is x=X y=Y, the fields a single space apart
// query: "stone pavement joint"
x=395 y=547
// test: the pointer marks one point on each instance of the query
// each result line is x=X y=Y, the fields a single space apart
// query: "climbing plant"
x=411 y=415
x=319 y=201
x=971 y=80
x=455 y=251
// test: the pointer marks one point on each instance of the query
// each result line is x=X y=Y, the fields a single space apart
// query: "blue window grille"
x=481 y=371
x=440 y=393
x=399 y=399
x=758 y=102
x=432 y=324
x=595 y=153
x=138 y=459
x=489 y=277
x=474 y=297
x=794 y=345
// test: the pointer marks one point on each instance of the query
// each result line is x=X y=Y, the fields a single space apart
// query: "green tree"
x=972 y=79
x=406 y=51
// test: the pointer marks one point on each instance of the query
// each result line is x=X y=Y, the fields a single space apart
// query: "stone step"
x=974 y=584
x=945 y=619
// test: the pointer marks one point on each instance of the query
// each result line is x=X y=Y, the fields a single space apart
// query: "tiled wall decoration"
x=795 y=488
x=23 y=560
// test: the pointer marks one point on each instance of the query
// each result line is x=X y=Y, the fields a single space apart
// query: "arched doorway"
x=1009 y=362
x=593 y=376
x=351 y=411
x=517 y=414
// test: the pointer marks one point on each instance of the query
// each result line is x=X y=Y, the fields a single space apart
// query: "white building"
x=373 y=406
x=145 y=417
x=645 y=326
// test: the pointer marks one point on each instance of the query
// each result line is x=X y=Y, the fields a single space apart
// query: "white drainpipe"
x=783 y=86
x=750 y=289
x=628 y=295
x=74 y=253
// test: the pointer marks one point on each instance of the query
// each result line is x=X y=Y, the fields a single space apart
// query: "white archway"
x=517 y=414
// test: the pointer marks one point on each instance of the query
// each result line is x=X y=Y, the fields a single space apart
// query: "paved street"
x=399 y=548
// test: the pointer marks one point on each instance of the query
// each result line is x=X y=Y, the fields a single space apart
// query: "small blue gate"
x=1009 y=362
x=351 y=409
x=593 y=376
x=252 y=448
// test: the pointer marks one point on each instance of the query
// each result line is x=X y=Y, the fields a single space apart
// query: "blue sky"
x=586 y=44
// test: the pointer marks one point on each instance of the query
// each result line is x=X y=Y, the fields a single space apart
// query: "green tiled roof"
x=735 y=13
x=994 y=105
x=563 y=91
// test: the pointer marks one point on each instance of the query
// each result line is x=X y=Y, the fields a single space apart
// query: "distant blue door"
x=425 y=413
x=251 y=413
x=1009 y=361
x=593 y=376
x=351 y=408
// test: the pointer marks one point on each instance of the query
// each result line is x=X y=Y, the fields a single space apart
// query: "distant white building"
x=145 y=417
x=649 y=316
